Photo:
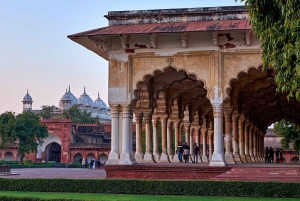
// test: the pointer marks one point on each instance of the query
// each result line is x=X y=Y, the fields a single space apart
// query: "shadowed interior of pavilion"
x=179 y=102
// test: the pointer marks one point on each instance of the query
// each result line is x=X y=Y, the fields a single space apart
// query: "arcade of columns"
x=205 y=82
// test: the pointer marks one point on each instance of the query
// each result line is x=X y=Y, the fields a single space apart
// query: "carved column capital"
x=138 y=115
x=114 y=111
x=228 y=114
x=218 y=109
x=147 y=115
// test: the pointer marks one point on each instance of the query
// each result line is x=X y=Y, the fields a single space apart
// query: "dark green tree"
x=47 y=111
x=7 y=129
x=290 y=133
x=24 y=128
x=78 y=116
x=276 y=24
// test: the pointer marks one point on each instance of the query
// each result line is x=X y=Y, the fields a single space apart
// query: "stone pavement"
x=67 y=173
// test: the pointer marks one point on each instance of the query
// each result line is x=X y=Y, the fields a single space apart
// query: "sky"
x=35 y=53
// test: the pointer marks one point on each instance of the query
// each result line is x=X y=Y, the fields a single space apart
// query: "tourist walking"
x=83 y=164
x=196 y=153
x=277 y=155
x=271 y=155
x=281 y=155
x=94 y=164
x=179 y=151
x=186 y=153
x=266 y=155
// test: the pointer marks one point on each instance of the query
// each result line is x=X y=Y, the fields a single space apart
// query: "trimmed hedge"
x=14 y=198
x=155 y=187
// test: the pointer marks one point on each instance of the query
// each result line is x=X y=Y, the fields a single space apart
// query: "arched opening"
x=255 y=104
x=103 y=158
x=77 y=158
x=53 y=152
x=90 y=157
x=8 y=156
x=164 y=103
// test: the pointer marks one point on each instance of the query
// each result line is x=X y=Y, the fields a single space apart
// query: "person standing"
x=196 y=153
x=179 y=151
x=83 y=164
x=266 y=155
x=94 y=164
x=271 y=155
x=281 y=155
x=186 y=153
x=277 y=155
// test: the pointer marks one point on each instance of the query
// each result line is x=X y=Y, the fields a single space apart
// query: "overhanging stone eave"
x=88 y=44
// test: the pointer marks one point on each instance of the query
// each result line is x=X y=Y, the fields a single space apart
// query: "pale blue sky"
x=35 y=53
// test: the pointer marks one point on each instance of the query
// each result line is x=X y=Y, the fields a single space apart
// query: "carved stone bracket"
x=104 y=42
x=215 y=37
x=153 y=40
x=184 y=39
x=124 y=41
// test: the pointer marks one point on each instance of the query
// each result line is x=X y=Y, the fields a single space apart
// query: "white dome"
x=27 y=98
x=73 y=98
x=99 y=103
x=85 y=100
x=65 y=100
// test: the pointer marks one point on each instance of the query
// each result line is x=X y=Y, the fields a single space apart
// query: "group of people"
x=93 y=164
x=269 y=155
x=183 y=152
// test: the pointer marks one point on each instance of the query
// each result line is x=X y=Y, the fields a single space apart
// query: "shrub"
x=28 y=162
x=154 y=187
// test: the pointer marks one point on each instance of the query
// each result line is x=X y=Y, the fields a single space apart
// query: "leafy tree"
x=25 y=128
x=290 y=133
x=47 y=111
x=78 y=116
x=7 y=129
x=276 y=24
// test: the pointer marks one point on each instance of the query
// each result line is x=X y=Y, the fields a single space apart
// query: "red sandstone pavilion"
x=196 y=70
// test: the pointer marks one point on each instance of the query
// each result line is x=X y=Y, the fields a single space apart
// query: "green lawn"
x=123 y=197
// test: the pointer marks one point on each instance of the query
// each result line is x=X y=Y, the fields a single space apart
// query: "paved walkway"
x=67 y=173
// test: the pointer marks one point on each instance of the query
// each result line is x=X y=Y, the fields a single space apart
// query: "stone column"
x=148 y=157
x=176 y=140
x=180 y=133
x=164 y=154
x=210 y=133
x=138 y=137
x=255 y=145
x=262 y=146
x=218 y=158
x=114 y=154
x=236 y=151
x=187 y=127
x=204 y=136
x=156 y=154
x=169 y=139
x=198 y=141
x=126 y=157
x=191 y=142
x=251 y=143
x=241 y=138
x=246 y=141
x=228 y=136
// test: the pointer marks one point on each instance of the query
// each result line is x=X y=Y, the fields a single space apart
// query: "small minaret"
x=27 y=102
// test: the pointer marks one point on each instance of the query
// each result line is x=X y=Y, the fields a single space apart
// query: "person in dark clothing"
x=281 y=154
x=271 y=155
x=196 y=153
x=277 y=155
x=179 y=151
x=91 y=163
x=98 y=164
x=266 y=155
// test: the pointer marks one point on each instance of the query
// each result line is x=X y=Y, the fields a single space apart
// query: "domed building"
x=97 y=108
x=27 y=102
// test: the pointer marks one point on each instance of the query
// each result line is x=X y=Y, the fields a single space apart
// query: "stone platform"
x=164 y=171
x=176 y=171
